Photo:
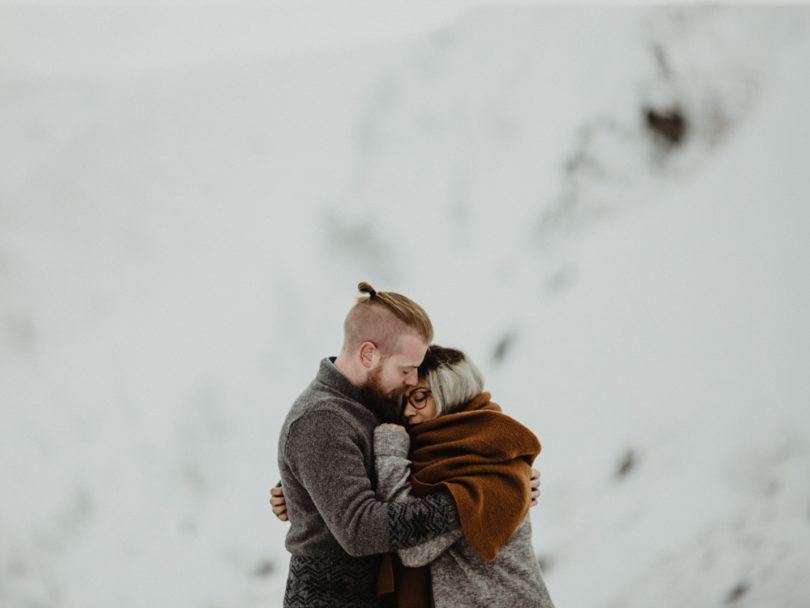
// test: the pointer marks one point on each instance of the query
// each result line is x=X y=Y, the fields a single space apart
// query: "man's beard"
x=386 y=406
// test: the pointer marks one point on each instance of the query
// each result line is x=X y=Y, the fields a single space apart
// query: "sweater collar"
x=331 y=376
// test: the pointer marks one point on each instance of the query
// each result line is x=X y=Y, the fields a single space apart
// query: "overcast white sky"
x=78 y=38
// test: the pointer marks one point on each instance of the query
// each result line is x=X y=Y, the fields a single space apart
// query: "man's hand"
x=534 y=484
x=278 y=503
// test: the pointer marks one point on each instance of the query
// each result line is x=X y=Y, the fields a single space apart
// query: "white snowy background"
x=190 y=193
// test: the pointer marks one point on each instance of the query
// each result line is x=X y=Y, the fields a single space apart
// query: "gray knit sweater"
x=338 y=527
x=459 y=576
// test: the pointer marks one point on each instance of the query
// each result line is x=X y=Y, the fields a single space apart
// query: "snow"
x=183 y=224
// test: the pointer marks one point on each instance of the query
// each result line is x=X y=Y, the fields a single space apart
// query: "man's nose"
x=412 y=378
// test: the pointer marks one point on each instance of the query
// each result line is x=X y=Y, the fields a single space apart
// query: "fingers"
x=279 y=508
x=534 y=484
x=278 y=503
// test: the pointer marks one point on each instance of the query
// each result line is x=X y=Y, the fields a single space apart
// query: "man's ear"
x=368 y=352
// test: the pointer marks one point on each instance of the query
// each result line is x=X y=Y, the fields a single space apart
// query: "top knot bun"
x=364 y=287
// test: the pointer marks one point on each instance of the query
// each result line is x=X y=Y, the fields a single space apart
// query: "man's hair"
x=453 y=379
x=382 y=317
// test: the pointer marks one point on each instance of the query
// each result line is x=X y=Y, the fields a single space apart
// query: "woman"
x=458 y=439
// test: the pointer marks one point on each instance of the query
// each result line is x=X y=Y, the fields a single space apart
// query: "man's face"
x=389 y=378
x=399 y=371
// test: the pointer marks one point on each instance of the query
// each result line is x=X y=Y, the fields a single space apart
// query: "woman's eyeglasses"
x=418 y=398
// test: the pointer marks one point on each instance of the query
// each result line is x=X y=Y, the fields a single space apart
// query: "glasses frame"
x=422 y=391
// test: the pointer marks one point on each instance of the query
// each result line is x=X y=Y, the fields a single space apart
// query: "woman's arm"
x=391 y=445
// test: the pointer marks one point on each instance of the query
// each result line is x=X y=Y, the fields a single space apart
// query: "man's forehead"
x=412 y=351
x=412 y=359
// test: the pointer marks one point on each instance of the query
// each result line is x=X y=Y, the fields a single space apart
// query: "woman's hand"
x=392 y=426
x=278 y=503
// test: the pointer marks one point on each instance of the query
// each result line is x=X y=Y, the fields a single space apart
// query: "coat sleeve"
x=325 y=455
x=393 y=484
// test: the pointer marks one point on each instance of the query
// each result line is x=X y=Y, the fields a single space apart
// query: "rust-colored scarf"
x=483 y=457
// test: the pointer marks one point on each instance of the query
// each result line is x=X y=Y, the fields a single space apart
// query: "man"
x=339 y=530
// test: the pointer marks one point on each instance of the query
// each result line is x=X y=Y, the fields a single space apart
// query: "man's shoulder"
x=325 y=405
x=321 y=404
x=322 y=396
x=323 y=424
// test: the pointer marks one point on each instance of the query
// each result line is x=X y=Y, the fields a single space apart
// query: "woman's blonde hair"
x=382 y=317
x=453 y=379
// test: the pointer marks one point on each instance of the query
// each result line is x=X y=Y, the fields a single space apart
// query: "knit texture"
x=324 y=582
x=458 y=574
x=484 y=458
x=325 y=458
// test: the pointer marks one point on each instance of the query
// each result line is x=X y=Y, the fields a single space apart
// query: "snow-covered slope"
x=606 y=207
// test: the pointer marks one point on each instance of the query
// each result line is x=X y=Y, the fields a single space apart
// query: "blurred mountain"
x=605 y=206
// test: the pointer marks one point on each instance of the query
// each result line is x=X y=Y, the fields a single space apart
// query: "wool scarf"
x=484 y=458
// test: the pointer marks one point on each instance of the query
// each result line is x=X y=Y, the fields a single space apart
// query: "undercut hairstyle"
x=453 y=379
x=382 y=317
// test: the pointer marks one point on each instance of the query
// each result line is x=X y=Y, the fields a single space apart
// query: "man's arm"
x=280 y=505
x=329 y=464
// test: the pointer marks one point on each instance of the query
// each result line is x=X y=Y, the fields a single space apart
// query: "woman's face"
x=419 y=404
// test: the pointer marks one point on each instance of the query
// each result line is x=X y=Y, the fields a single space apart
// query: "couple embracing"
x=380 y=515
